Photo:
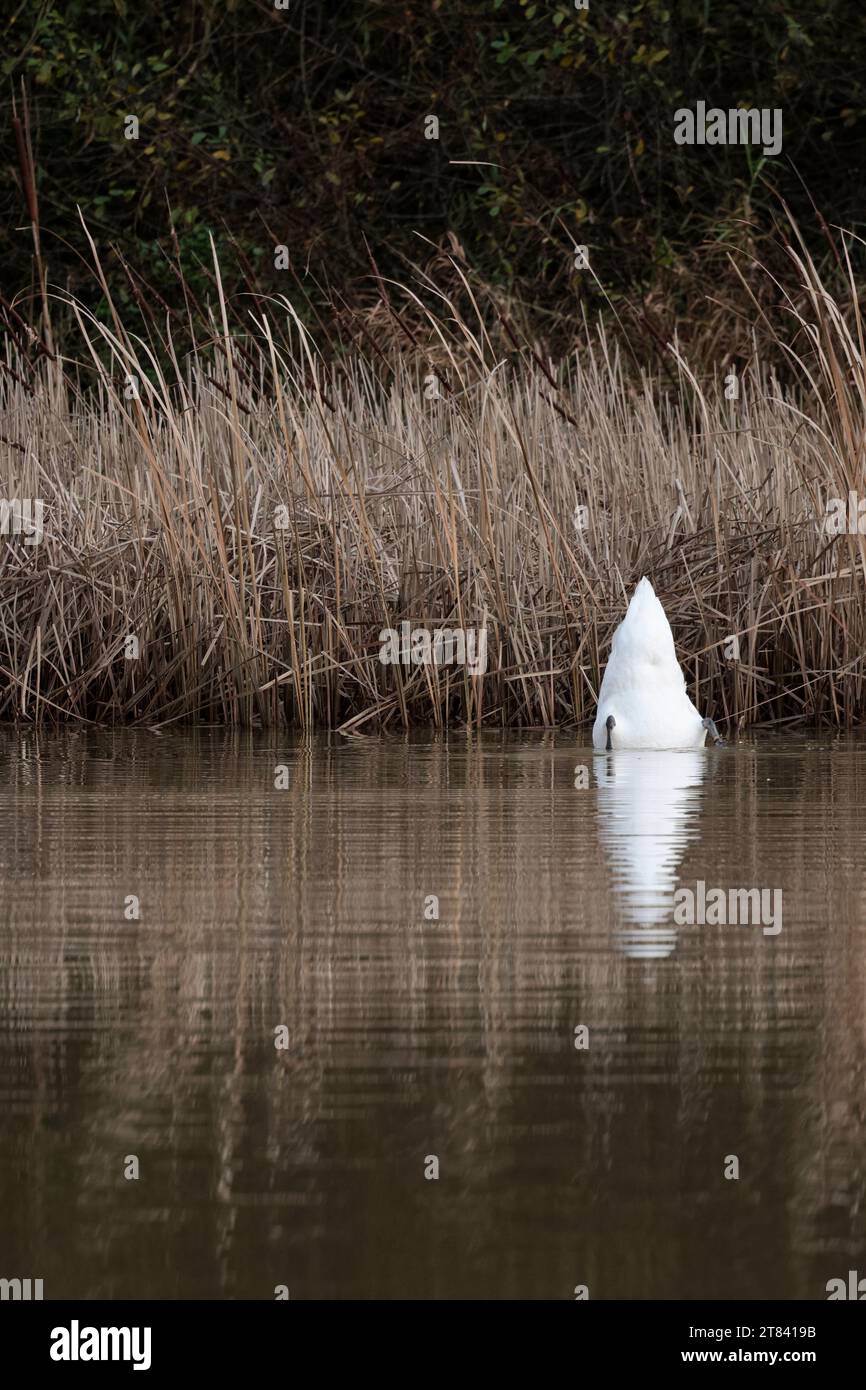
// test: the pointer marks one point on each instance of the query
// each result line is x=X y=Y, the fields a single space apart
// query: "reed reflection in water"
x=411 y=1037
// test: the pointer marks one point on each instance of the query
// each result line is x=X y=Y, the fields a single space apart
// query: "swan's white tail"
x=643 y=687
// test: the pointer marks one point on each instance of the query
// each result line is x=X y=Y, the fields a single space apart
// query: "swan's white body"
x=643 y=686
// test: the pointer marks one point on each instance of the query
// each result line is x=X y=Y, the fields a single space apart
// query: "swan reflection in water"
x=648 y=808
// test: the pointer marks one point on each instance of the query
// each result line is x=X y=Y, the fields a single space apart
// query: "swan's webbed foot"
x=710 y=726
x=609 y=723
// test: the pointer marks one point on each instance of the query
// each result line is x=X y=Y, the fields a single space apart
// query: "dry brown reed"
x=254 y=514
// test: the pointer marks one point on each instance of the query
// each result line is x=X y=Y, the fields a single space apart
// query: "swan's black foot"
x=610 y=723
x=710 y=726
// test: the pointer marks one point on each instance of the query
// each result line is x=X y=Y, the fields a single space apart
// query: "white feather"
x=643 y=686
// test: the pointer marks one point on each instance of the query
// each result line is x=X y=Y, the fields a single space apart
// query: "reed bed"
x=254 y=513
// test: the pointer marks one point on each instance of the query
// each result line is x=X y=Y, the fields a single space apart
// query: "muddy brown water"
x=587 y=1069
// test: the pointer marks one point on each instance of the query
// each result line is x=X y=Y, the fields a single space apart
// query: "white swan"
x=643 y=702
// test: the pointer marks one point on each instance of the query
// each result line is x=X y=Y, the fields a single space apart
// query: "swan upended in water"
x=643 y=702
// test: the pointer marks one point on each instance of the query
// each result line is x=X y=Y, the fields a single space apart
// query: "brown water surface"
x=411 y=1037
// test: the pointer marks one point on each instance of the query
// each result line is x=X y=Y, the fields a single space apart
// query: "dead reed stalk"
x=226 y=532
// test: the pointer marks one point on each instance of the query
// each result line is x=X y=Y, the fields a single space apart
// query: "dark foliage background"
x=305 y=126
